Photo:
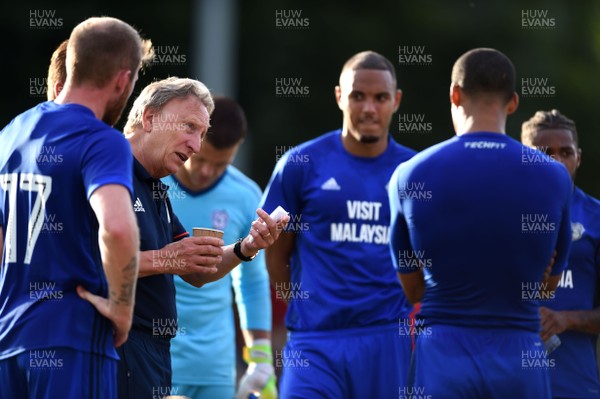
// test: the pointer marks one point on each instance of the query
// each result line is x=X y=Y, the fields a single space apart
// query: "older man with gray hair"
x=165 y=127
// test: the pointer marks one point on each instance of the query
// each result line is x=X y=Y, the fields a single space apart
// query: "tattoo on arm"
x=125 y=294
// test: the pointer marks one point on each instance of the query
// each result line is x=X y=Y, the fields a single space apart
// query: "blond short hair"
x=99 y=47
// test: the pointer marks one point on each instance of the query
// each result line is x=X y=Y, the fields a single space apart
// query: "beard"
x=365 y=134
x=369 y=139
x=114 y=109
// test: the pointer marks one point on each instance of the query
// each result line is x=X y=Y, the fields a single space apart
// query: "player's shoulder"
x=399 y=151
x=320 y=144
x=244 y=184
x=27 y=118
x=436 y=157
x=587 y=215
x=77 y=119
x=63 y=112
x=560 y=173
x=72 y=121
x=41 y=109
x=299 y=159
x=590 y=204
x=430 y=154
x=323 y=138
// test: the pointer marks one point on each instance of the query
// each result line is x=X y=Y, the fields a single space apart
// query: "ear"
x=397 y=99
x=338 y=96
x=148 y=117
x=122 y=81
x=512 y=104
x=578 y=158
x=455 y=94
x=235 y=151
x=58 y=86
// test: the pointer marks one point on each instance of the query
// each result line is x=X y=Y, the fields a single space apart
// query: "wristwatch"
x=237 y=250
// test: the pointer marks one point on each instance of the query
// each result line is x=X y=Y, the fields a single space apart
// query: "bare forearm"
x=278 y=264
x=122 y=288
x=279 y=275
x=228 y=263
x=120 y=261
x=256 y=240
x=263 y=233
x=157 y=261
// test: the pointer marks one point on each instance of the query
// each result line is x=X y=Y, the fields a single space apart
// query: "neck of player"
x=478 y=119
x=185 y=178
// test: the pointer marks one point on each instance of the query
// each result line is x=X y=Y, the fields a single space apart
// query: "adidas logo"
x=137 y=206
x=331 y=184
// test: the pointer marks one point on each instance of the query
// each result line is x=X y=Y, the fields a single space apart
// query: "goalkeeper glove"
x=260 y=375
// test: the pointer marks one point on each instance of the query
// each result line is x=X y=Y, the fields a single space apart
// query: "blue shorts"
x=462 y=362
x=144 y=370
x=58 y=373
x=368 y=362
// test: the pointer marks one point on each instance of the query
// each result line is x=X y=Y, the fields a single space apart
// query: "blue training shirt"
x=576 y=372
x=482 y=214
x=341 y=274
x=52 y=158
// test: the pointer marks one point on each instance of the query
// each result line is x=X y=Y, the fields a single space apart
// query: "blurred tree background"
x=564 y=54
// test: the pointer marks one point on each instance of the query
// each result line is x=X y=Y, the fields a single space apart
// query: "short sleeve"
x=179 y=232
x=107 y=160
